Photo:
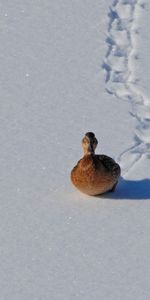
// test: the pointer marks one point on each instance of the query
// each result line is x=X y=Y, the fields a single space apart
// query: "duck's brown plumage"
x=95 y=174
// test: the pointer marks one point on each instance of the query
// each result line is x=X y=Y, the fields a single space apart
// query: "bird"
x=95 y=174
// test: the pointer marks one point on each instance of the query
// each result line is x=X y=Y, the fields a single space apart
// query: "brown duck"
x=95 y=174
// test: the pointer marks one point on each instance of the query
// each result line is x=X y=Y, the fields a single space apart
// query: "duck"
x=95 y=174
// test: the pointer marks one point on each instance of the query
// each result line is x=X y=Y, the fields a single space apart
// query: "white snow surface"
x=68 y=67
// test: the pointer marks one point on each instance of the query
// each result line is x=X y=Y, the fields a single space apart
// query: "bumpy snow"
x=68 y=67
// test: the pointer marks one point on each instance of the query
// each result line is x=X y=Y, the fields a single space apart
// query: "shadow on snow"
x=131 y=190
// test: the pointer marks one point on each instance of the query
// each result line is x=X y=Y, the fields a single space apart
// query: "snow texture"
x=68 y=67
x=120 y=78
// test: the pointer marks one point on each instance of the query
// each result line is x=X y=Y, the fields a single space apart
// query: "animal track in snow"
x=120 y=78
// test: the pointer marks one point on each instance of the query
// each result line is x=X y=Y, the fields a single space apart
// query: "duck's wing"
x=107 y=161
x=109 y=164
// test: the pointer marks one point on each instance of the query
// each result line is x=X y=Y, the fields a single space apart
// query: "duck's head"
x=89 y=143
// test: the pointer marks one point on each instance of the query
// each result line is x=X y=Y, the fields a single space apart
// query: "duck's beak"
x=91 y=149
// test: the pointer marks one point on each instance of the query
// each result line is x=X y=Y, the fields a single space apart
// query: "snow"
x=68 y=67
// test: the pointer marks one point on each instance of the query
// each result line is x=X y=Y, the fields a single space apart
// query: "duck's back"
x=107 y=164
x=95 y=174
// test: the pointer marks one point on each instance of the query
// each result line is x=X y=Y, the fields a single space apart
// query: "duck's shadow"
x=130 y=190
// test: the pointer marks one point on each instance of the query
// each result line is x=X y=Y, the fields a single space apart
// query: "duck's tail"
x=116 y=171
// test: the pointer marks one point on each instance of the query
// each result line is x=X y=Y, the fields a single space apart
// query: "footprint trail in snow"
x=120 y=79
